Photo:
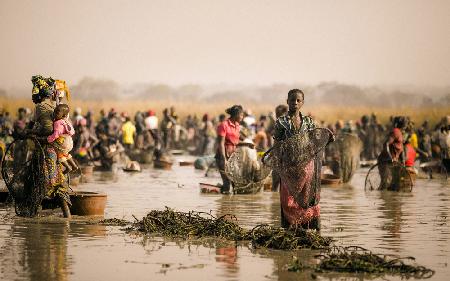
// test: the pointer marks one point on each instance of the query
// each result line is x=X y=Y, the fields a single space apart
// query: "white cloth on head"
x=151 y=122
x=249 y=120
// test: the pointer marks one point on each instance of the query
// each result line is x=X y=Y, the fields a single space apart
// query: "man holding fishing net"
x=295 y=157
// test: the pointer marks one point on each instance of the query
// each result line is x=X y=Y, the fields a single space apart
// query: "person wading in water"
x=45 y=98
x=299 y=200
x=228 y=135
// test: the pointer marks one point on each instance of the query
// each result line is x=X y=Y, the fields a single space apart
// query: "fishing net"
x=389 y=176
x=298 y=150
x=298 y=159
x=246 y=171
x=22 y=171
x=346 y=150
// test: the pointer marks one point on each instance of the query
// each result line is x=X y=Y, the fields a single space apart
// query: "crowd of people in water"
x=93 y=137
x=87 y=138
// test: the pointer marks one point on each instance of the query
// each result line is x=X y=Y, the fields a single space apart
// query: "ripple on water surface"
x=406 y=224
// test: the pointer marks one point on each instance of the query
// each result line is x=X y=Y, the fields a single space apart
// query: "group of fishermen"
x=343 y=144
x=146 y=131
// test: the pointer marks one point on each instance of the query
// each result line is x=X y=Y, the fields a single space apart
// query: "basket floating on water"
x=186 y=163
x=209 y=188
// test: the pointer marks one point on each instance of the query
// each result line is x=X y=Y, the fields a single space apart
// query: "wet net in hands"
x=297 y=151
x=389 y=176
x=246 y=171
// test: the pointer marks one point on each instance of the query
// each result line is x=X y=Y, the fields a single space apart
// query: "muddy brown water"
x=51 y=248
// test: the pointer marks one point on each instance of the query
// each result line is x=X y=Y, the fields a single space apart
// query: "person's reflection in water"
x=391 y=209
x=41 y=251
x=228 y=255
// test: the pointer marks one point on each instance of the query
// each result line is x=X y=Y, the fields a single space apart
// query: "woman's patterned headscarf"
x=42 y=86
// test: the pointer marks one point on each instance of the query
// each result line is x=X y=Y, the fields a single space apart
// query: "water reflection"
x=391 y=212
x=37 y=250
x=105 y=176
x=228 y=255
x=251 y=210
x=407 y=224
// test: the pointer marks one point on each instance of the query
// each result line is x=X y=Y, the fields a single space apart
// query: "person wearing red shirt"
x=228 y=135
x=410 y=155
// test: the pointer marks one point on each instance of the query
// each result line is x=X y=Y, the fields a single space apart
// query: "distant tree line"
x=329 y=93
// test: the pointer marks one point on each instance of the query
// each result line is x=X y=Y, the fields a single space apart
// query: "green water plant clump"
x=355 y=259
x=287 y=239
x=190 y=224
x=352 y=259
x=197 y=225
x=114 y=222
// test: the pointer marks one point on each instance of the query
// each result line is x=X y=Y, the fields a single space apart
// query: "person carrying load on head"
x=45 y=169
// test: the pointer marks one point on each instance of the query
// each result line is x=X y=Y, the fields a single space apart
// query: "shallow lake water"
x=52 y=248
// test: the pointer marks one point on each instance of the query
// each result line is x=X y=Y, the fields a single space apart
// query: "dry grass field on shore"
x=326 y=113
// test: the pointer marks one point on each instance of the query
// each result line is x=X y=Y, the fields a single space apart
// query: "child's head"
x=61 y=111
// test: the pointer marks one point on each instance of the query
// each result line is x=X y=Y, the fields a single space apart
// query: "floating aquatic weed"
x=190 y=224
x=355 y=259
x=198 y=225
x=114 y=222
x=287 y=239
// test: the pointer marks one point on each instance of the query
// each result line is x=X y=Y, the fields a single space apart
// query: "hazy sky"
x=354 y=41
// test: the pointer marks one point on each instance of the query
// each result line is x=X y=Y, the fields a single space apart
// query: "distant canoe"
x=128 y=170
x=186 y=163
x=328 y=179
x=209 y=188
